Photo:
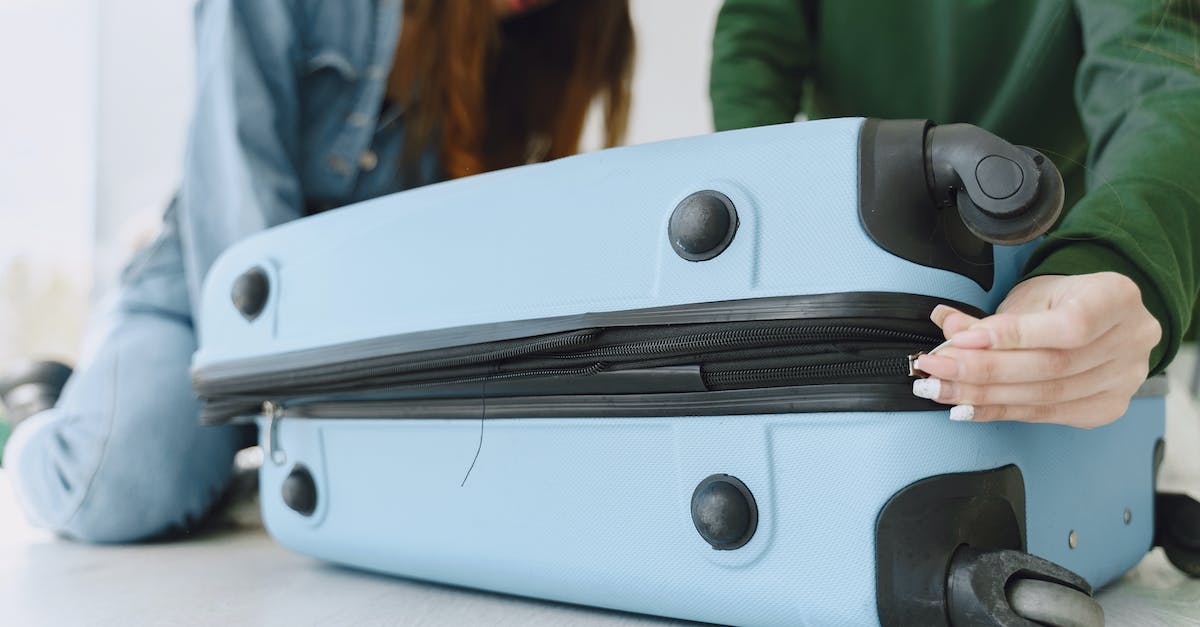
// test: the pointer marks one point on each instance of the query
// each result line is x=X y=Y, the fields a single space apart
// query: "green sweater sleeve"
x=760 y=56
x=1138 y=93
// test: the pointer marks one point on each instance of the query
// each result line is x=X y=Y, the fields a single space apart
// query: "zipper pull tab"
x=273 y=413
x=913 y=370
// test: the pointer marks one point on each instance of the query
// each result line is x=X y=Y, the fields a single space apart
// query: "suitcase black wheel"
x=1048 y=603
x=1009 y=588
x=1005 y=194
x=1177 y=530
x=941 y=196
x=950 y=553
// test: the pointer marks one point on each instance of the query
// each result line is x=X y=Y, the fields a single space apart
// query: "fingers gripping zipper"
x=913 y=370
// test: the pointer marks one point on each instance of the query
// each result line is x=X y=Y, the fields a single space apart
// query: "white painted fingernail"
x=962 y=413
x=927 y=388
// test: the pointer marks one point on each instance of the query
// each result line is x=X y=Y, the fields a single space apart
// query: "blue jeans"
x=122 y=456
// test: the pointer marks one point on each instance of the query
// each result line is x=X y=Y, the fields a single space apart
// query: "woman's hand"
x=1069 y=350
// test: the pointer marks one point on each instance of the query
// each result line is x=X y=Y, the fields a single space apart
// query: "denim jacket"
x=289 y=119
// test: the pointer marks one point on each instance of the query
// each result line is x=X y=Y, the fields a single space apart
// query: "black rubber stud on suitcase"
x=724 y=512
x=300 y=491
x=250 y=291
x=702 y=225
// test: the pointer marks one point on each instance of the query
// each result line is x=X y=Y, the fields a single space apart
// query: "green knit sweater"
x=1108 y=89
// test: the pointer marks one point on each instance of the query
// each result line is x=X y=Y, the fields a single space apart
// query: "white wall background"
x=670 y=81
x=144 y=92
x=96 y=96
x=47 y=175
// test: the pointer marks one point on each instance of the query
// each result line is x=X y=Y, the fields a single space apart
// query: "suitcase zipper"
x=401 y=371
x=875 y=346
x=554 y=360
x=797 y=375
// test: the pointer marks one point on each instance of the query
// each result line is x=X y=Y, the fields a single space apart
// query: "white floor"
x=240 y=577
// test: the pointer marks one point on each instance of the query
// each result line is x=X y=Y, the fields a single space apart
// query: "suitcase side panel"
x=581 y=234
x=1086 y=483
x=596 y=511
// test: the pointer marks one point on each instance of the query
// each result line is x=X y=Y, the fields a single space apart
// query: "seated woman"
x=300 y=107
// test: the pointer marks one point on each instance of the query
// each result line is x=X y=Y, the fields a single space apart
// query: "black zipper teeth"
x=350 y=371
x=584 y=371
x=891 y=367
x=725 y=339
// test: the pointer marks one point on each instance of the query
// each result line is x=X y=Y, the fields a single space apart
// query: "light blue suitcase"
x=674 y=379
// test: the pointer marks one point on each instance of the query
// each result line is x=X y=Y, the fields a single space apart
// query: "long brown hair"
x=499 y=93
